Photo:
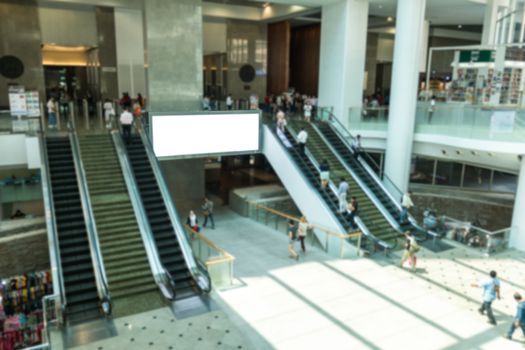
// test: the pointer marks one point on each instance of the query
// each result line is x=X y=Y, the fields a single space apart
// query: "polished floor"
x=321 y=302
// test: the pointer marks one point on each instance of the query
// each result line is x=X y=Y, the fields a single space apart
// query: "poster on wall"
x=32 y=104
x=502 y=121
x=17 y=100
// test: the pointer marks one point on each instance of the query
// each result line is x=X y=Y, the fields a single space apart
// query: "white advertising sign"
x=32 y=104
x=17 y=100
x=204 y=134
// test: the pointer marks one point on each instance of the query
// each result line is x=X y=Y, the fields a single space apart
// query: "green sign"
x=471 y=56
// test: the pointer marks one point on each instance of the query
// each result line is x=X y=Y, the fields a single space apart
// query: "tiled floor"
x=322 y=302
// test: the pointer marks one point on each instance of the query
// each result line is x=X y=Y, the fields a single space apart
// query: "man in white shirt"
x=302 y=136
x=307 y=111
x=51 y=113
x=341 y=192
x=126 y=120
x=406 y=204
x=229 y=102
x=356 y=145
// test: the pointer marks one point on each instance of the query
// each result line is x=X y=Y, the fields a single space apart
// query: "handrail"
x=145 y=230
x=485 y=231
x=51 y=225
x=372 y=174
x=199 y=274
x=271 y=127
x=210 y=243
x=364 y=229
x=91 y=228
x=329 y=232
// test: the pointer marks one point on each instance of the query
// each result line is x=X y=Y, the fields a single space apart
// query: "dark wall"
x=305 y=44
x=278 y=57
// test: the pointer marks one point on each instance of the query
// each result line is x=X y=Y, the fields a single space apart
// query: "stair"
x=125 y=259
x=163 y=232
x=368 y=212
x=77 y=266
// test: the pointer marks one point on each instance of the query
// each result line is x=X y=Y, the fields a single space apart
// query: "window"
x=239 y=51
x=476 y=177
x=448 y=173
x=504 y=182
x=422 y=170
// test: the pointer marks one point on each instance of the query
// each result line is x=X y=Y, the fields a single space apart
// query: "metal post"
x=43 y=116
x=57 y=108
x=359 y=244
x=72 y=114
x=85 y=111
x=100 y=114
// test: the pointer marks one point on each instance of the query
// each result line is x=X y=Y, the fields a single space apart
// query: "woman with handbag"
x=411 y=248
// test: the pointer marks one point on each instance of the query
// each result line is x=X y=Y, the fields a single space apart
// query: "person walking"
x=351 y=212
x=307 y=110
x=51 y=113
x=302 y=136
x=292 y=237
x=208 y=212
x=431 y=108
x=126 y=120
x=325 y=173
x=192 y=221
x=356 y=146
x=519 y=319
x=411 y=248
x=229 y=102
x=406 y=204
x=109 y=112
x=302 y=230
x=342 y=191
x=491 y=291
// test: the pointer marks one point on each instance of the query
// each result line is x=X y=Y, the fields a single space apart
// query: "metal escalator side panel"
x=198 y=272
x=138 y=208
x=307 y=199
x=89 y=218
x=51 y=226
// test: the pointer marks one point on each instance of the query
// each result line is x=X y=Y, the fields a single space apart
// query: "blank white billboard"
x=202 y=134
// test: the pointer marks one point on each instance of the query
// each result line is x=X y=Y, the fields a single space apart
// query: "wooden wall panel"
x=305 y=46
x=278 y=57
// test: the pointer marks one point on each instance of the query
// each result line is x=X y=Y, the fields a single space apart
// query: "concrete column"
x=344 y=28
x=517 y=237
x=107 y=53
x=423 y=59
x=174 y=78
x=489 y=22
x=174 y=46
x=407 y=51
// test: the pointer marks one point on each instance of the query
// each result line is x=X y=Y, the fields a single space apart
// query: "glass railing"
x=492 y=123
x=324 y=238
x=477 y=238
x=218 y=262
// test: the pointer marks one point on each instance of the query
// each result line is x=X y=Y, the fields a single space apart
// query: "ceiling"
x=438 y=11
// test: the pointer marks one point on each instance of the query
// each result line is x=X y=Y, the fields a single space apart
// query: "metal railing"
x=219 y=263
x=484 y=241
x=91 y=228
x=198 y=272
x=265 y=214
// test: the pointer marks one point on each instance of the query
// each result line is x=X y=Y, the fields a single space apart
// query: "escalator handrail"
x=140 y=213
x=373 y=174
x=89 y=217
x=370 y=194
x=362 y=226
x=292 y=161
x=51 y=225
x=198 y=271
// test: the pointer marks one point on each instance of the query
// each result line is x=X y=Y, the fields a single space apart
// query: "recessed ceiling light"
x=389 y=19
x=460 y=26
x=380 y=6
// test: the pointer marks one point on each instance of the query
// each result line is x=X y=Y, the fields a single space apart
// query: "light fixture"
x=380 y=6
x=460 y=26
x=389 y=19
x=266 y=4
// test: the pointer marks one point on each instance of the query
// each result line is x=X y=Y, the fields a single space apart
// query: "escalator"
x=362 y=167
x=130 y=278
x=170 y=252
x=368 y=212
x=78 y=273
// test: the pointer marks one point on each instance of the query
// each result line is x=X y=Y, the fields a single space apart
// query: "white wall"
x=68 y=26
x=214 y=36
x=130 y=51
x=15 y=151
